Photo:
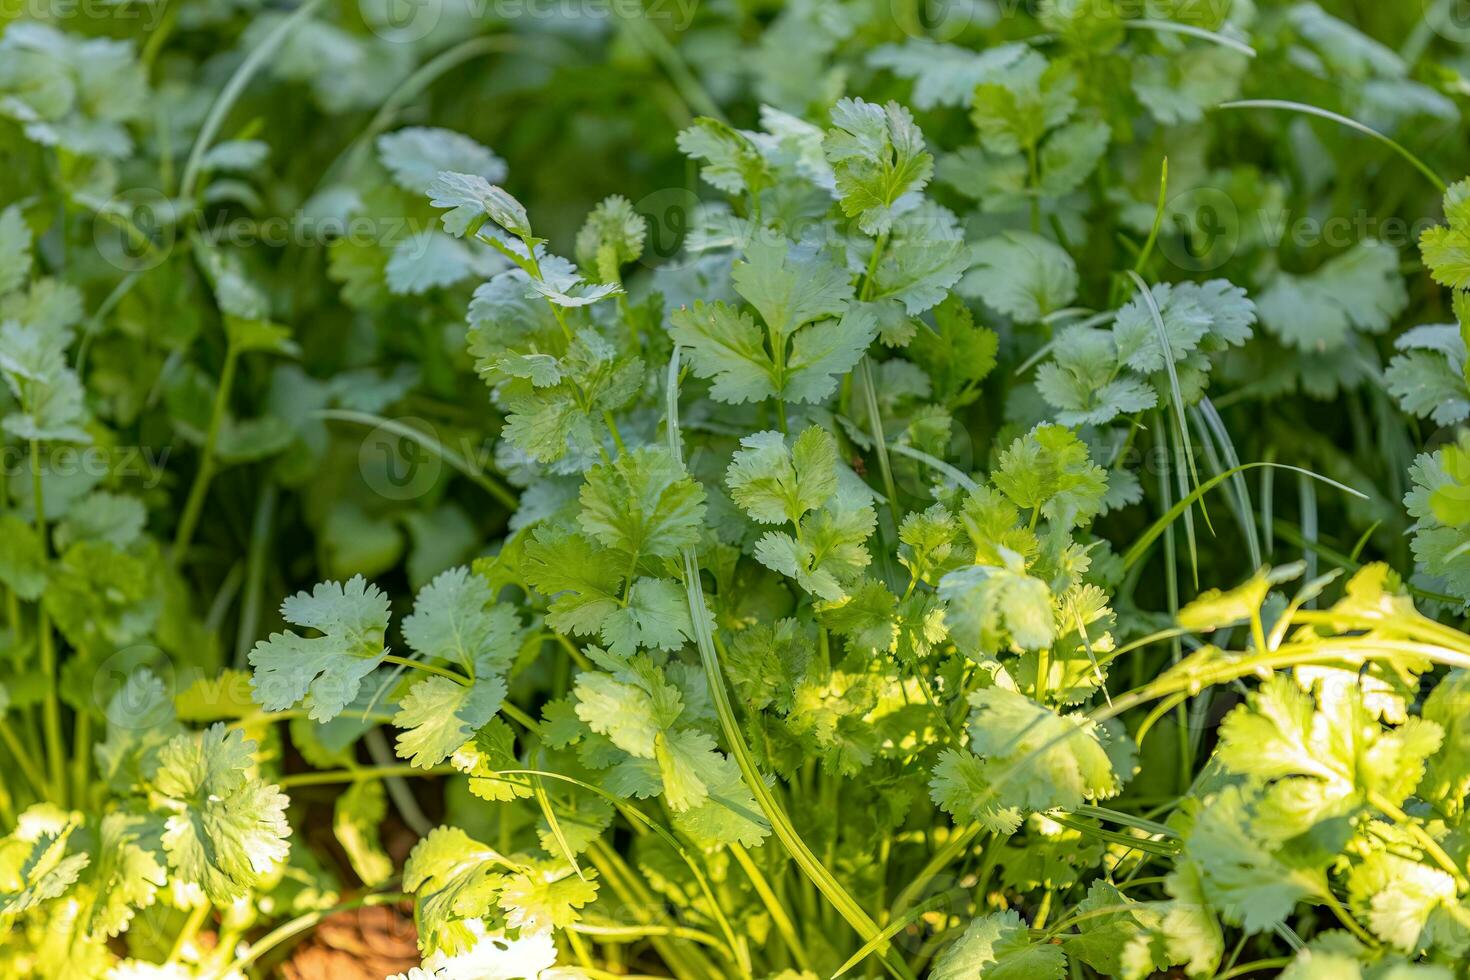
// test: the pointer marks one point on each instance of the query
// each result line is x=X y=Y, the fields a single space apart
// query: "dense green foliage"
x=833 y=491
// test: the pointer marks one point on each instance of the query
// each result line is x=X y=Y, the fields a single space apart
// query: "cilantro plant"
x=773 y=492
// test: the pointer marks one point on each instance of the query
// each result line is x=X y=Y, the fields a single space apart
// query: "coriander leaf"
x=1049 y=470
x=790 y=285
x=944 y=74
x=356 y=816
x=455 y=880
x=877 y=154
x=456 y=618
x=656 y=615
x=439 y=715
x=1021 y=275
x=731 y=162
x=774 y=484
x=582 y=583
x=823 y=352
x=545 y=896
x=1446 y=249
x=1360 y=289
x=725 y=345
x=15 y=249
x=1037 y=760
x=611 y=238
x=956 y=354
x=471 y=199
x=225 y=829
x=352 y=620
x=642 y=505
x=998 y=946
x=416 y=155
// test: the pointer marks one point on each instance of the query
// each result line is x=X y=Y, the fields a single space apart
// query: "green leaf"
x=1428 y=379
x=1031 y=97
x=15 y=249
x=356 y=816
x=774 y=484
x=656 y=615
x=225 y=829
x=1049 y=470
x=22 y=558
x=877 y=154
x=790 y=285
x=439 y=715
x=1360 y=289
x=642 y=505
x=351 y=620
x=956 y=354
x=731 y=162
x=472 y=199
x=1036 y=760
x=415 y=156
x=455 y=618
x=1021 y=275
x=992 y=609
x=1253 y=886
x=579 y=576
x=44 y=871
x=126 y=875
x=1084 y=382
x=998 y=946
x=725 y=345
x=944 y=74
x=456 y=880
x=611 y=238
x=547 y=895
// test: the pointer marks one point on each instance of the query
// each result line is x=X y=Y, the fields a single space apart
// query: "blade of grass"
x=1284 y=105
x=1141 y=546
x=781 y=824
x=253 y=62
x=1170 y=27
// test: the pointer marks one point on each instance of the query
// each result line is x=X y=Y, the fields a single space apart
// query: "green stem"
x=773 y=905
x=875 y=427
x=300 y=924
x=194 y=505
x=28 y=767
x=51 y=709
x=191 y=928
x=781 y=824
x=81 y=748
x=253 y=62
x=1421 y=837
x=428 y=669
x=359 y=774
